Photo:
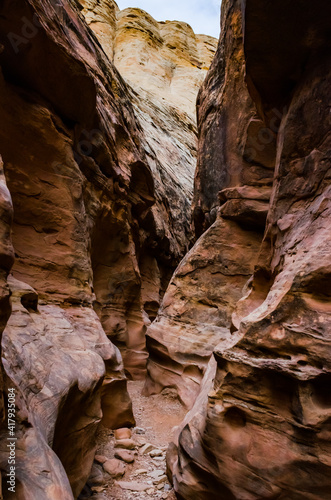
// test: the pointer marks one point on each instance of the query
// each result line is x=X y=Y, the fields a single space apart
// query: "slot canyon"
x=165 y=253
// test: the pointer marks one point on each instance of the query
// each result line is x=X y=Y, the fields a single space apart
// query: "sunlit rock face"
x=165 y=58
x=198 y=305
x=164 y=64
x=260 y=428
x=96 y=184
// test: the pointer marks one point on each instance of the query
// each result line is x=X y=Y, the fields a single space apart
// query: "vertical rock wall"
x=163 y=63
x=197 y=308
x=100 y=178
x=264 y=430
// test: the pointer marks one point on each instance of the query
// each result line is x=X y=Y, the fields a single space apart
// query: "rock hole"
x=235 y=417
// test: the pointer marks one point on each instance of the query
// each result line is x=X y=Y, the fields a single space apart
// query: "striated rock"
x=6 y=262
x=261 y=429
x=55 y=360
x=78 y=170
x=196 y=310
x=236 y=147
x=102 y=18
x=166 y=59
x=164 y=63
x=101 y=220
x=195 y=314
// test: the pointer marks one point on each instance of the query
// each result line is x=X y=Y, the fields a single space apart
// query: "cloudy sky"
x=202 y=15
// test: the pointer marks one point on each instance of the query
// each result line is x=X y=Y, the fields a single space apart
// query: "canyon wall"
x=260 y=427
x=96 y=186
x=196 y=311
x=164 y=64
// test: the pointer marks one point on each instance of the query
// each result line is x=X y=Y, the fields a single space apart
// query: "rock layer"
x=196 y=310
x=166 y=59
x=264 y=430
x=164 y=64
x=101 y=180
x=235 y=146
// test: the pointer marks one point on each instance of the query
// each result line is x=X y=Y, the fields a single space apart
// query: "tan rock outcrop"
x=101 y=181
x=164 y=58
x=264 y=430
x=164 y=63
x=196 y=310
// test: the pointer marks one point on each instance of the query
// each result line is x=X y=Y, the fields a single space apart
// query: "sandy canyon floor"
x=156 y=416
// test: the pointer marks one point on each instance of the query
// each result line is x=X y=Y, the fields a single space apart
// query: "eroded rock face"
x=6 y=262
x=164 y=64
x=101 y=182
x=235 y=146
x=55 y=359
x=166 y=59
x=265 y=429
x=196 y=310
x=76 y=170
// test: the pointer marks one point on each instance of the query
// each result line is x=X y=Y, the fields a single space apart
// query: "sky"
x=202 y=15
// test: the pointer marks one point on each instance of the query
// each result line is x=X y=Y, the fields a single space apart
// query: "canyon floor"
x=156 y=416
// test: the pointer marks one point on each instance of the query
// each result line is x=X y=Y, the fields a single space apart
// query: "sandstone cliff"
x=197 y=308
x=260 y=427
x=164 y=63
x=96 y=185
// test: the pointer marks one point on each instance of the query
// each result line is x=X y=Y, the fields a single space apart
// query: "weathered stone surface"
x=123 y=433
x=196 y=310
x=97 y=476
x=6 y=262
x=54 y=357
x=133 y=486
x=165 y=58
x=101 y=182
x=71 y=152
x=236 y=147
x=164 y=63
x=114 y=467
x=262 y=428
x=125 y=455
x=127 y=444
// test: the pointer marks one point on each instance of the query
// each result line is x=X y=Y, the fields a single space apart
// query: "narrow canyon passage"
x=140 y=470
x=165 y=264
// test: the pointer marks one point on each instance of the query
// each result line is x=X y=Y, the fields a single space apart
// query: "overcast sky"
x=202 y=15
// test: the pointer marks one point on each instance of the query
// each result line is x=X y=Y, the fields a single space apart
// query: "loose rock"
x=127 y=444
x=125 y=455
x=147 y=448
x=133 y=486
x=100 y=459
x=114 y=467
x=123 y=433
x=96 y=476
